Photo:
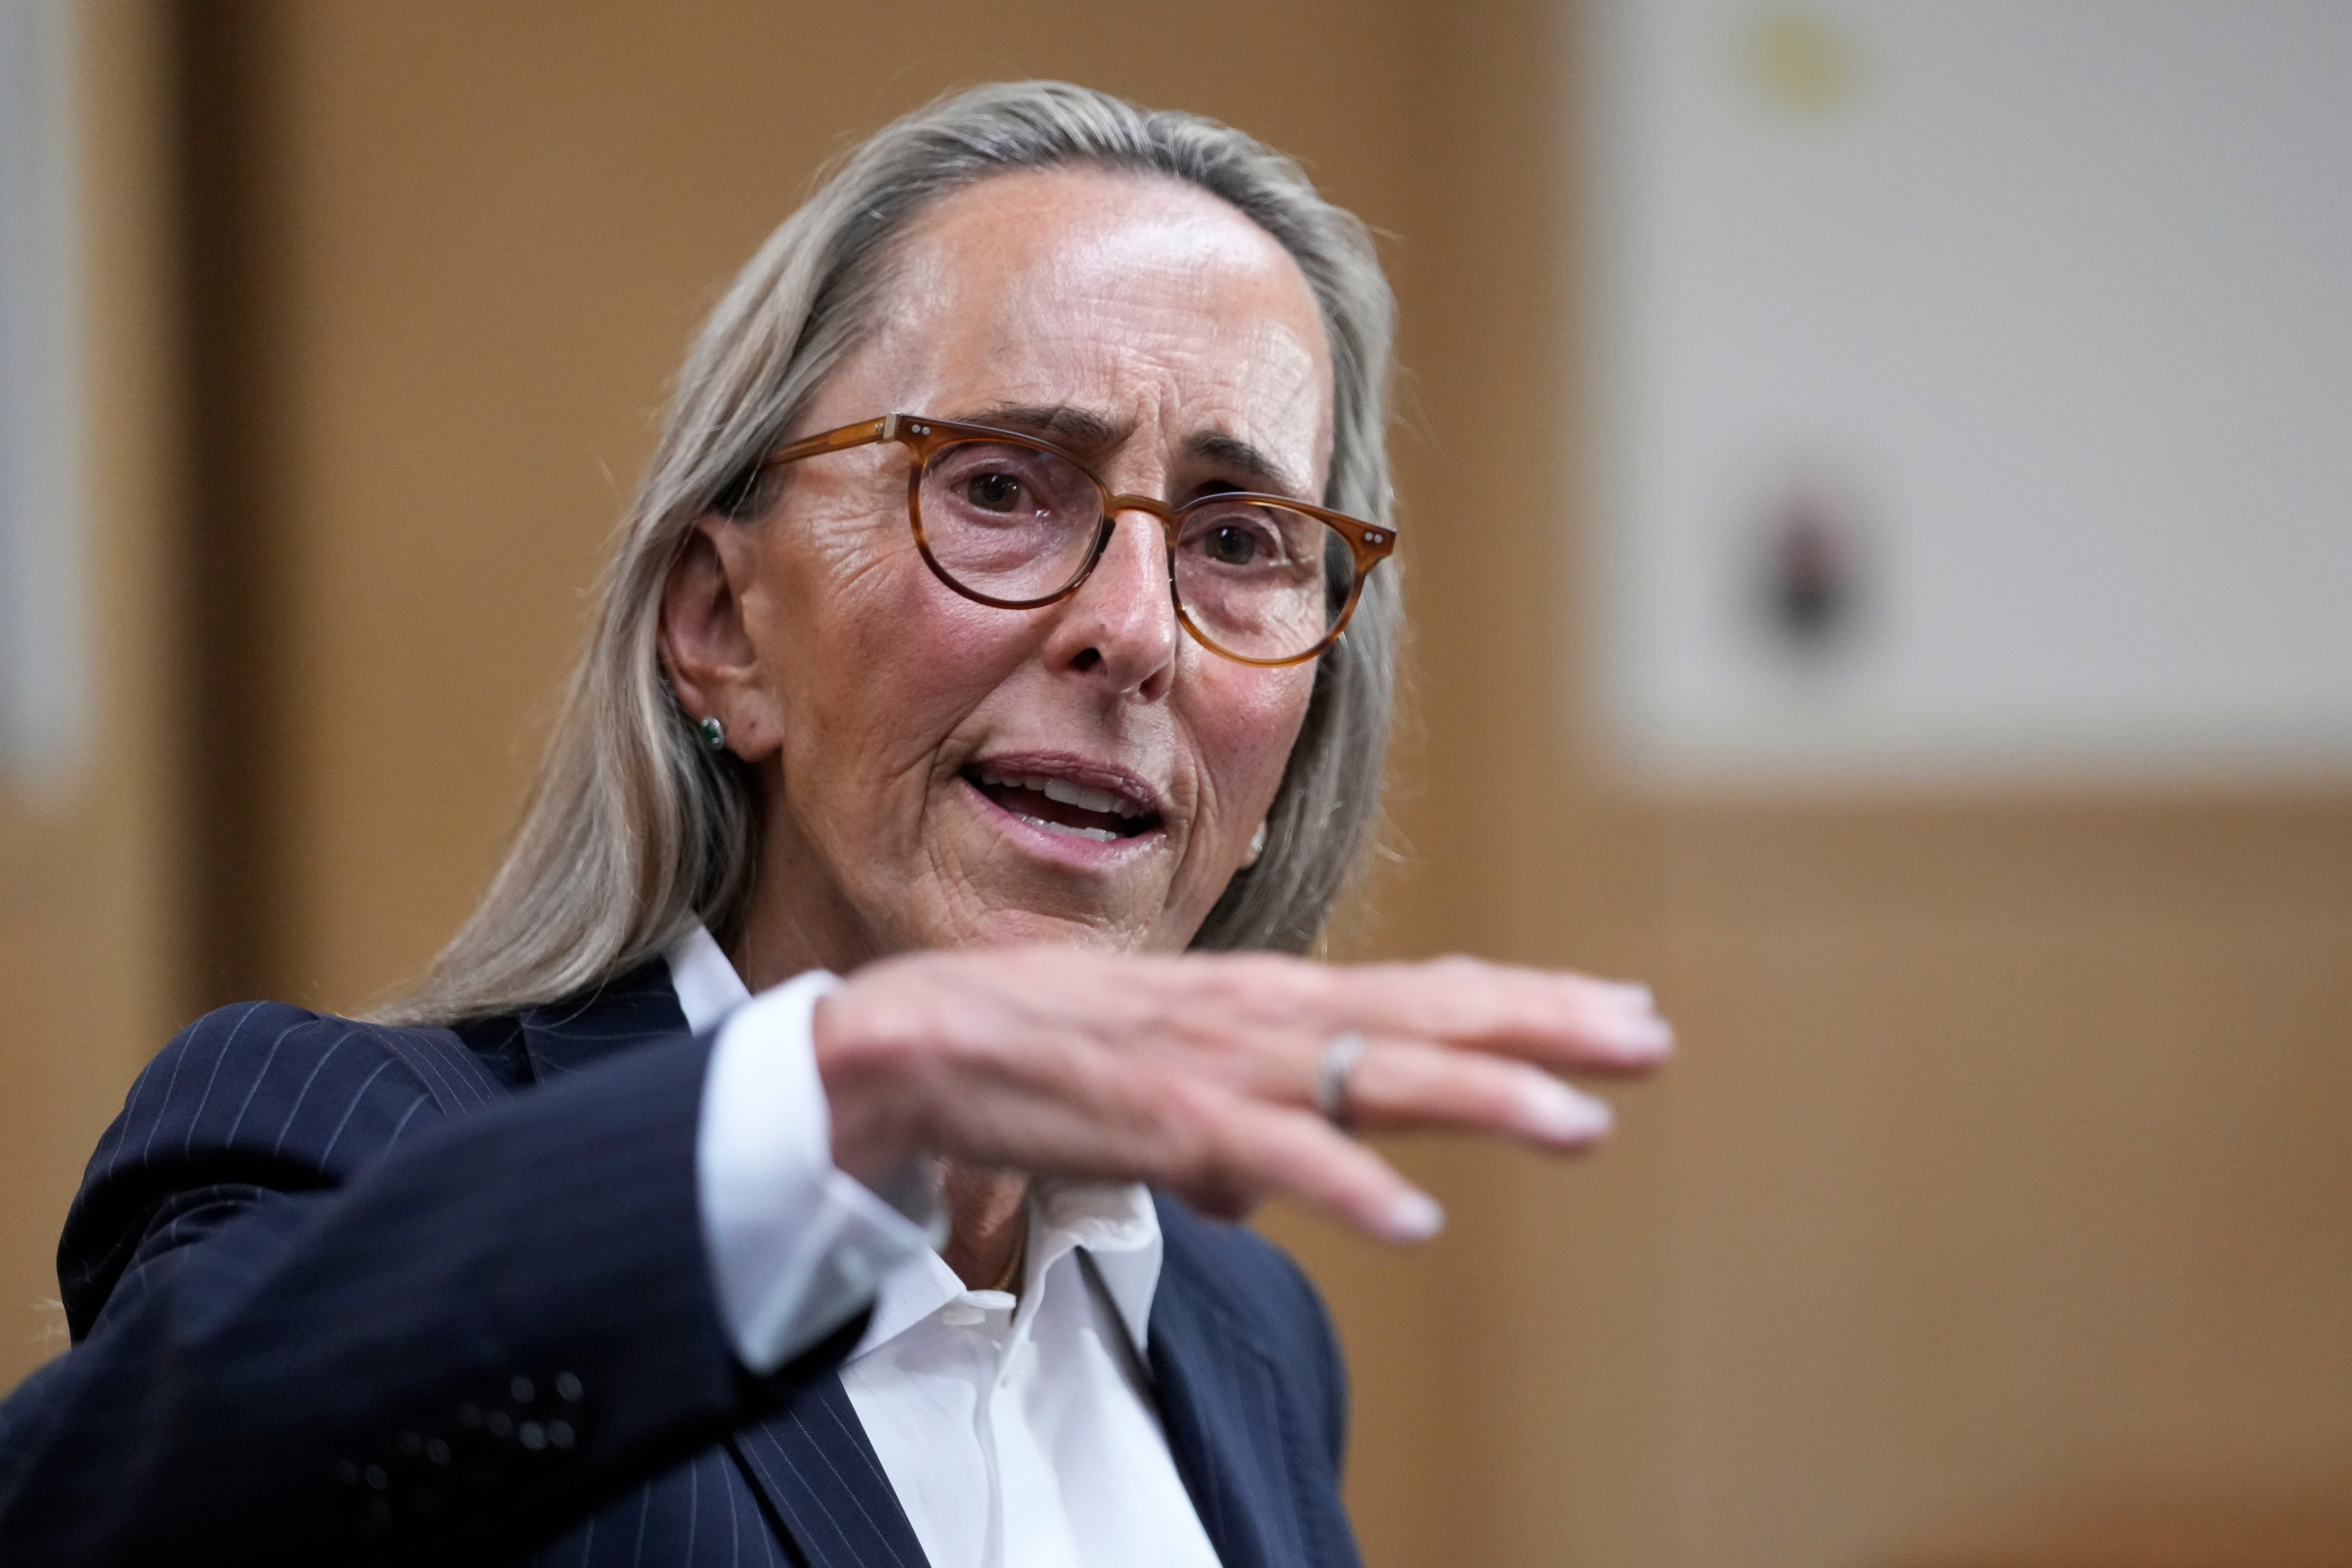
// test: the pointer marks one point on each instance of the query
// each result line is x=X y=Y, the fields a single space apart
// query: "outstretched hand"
x=1197 y=1073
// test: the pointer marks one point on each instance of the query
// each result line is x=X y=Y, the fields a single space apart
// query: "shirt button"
x=961 y=1314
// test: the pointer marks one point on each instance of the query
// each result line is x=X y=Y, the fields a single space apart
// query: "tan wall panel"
x=89 y=883
x=1962 y=1212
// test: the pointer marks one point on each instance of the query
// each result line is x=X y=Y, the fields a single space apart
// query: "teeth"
x=1097 y=834
x=1084 y=799
x=1066 y=791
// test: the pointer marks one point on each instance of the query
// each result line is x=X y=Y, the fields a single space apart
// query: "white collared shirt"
x=1016 y=1436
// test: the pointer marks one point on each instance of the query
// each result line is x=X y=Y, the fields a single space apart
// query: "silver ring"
x=1332 y=1070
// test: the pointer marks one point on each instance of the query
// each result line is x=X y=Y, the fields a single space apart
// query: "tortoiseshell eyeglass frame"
x=1368 y=543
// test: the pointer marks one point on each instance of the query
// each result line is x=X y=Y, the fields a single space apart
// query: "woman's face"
x=901 y=731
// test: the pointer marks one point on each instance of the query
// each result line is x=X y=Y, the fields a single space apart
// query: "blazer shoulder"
x=249 y=1100
x=246 y=1068
x=307 y=1089
x=258 y=1069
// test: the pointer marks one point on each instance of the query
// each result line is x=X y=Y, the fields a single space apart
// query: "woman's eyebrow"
x=1090 y=434
x=1080 y=428
x=1262 y=470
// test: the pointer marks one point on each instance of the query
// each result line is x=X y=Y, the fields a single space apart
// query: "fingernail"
x=1635 y=993
x=1559 y=1113
x=1414 y=1218
x=1649 y=1036
x=1637 y=1028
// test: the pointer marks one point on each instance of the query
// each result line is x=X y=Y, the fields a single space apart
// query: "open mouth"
x=1064 y=805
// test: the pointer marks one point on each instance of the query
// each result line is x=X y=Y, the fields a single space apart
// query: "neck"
x=797 y=920
x=987 y=1220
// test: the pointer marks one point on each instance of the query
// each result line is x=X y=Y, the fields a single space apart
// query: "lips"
x=1066 y=796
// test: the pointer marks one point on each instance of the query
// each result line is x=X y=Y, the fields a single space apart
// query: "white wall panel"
x=44 y=686
x=2040 y=315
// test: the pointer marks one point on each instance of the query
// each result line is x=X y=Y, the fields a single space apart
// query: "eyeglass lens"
x=1013 y=522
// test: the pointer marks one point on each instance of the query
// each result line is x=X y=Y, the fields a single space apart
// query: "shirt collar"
x=1117 y=1224
x=706 y=985
x=1119 y=1229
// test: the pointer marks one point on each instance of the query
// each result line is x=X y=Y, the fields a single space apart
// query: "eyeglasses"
x=1009 y=520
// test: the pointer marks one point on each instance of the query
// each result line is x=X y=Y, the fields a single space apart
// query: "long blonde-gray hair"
x=634 y=832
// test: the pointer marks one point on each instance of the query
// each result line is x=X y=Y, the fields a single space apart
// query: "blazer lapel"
x=1218 y=1406
x=814 y=1463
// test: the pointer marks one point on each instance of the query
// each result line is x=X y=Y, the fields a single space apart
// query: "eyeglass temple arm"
x=863 y=434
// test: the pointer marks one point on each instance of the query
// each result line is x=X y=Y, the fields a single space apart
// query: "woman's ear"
x=706 y=645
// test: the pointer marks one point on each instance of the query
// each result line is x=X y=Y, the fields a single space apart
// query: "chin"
x=1017 y=923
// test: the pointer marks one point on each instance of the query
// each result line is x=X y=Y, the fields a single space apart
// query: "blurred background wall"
x=1998 y=1206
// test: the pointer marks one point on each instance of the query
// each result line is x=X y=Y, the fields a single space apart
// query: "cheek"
x=1246 y=728
x=886 y=664
x=939 y=655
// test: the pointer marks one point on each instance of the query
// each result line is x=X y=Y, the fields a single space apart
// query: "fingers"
x=1562 y=1022
x=1405 y=1087
x=1197 y=1073
x=1256 y=1149
x=1223 y=1152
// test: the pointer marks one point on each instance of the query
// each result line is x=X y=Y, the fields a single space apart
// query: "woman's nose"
x=1120 y=625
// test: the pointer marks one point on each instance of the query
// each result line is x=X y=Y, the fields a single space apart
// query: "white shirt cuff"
x=796 y=1247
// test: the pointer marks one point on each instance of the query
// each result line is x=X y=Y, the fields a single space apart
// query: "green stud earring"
x=714 y=735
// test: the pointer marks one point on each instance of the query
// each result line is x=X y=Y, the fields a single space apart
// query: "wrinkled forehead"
x=1141 y=299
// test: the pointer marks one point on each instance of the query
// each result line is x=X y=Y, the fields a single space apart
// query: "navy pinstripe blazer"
x=341 y=1291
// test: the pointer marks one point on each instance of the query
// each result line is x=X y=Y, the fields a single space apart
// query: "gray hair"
x=634 y=832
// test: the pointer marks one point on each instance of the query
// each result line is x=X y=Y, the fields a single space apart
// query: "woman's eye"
x=993 y=491
x=1231 y=546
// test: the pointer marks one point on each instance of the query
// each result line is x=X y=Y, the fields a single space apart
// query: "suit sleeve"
x=316 y=1320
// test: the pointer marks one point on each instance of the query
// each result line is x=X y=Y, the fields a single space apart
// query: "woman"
x=977 y=636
